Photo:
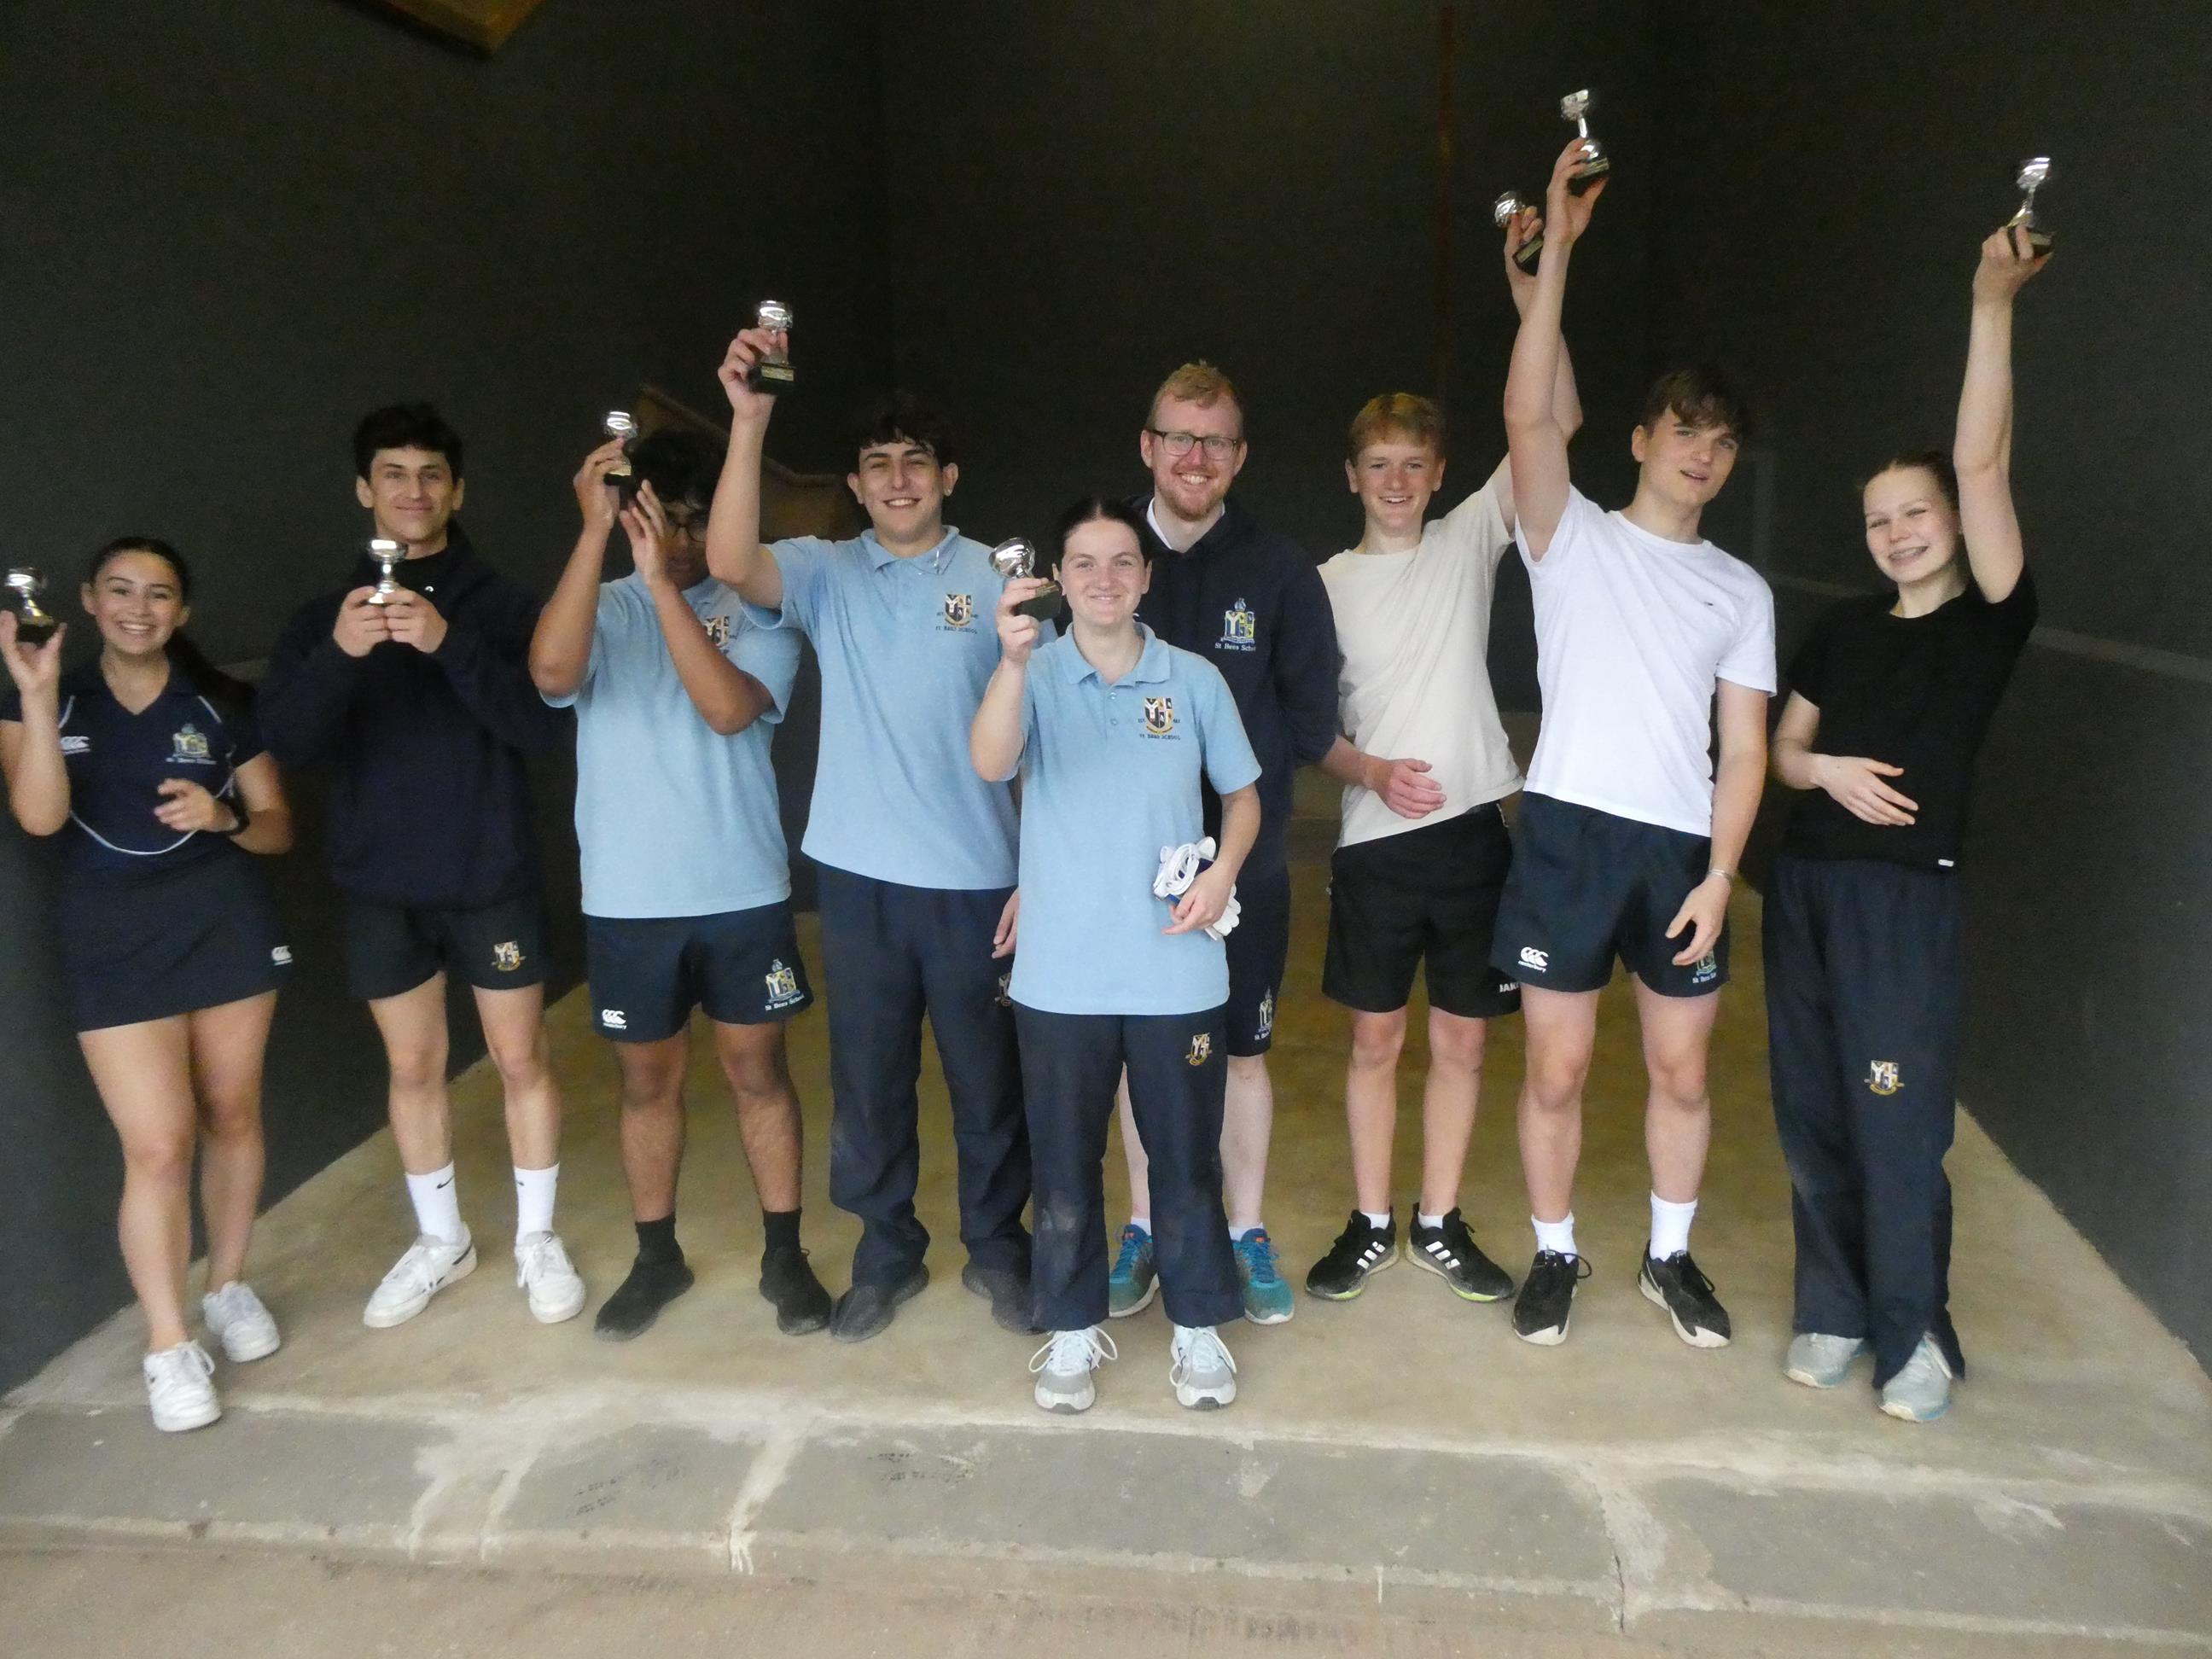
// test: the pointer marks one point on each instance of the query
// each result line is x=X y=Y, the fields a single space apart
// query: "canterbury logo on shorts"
x=1538 y=961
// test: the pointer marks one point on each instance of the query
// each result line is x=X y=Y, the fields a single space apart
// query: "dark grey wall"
x=1830 y=169
x=230 y=226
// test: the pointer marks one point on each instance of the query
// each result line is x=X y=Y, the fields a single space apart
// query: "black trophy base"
x=34 y=631
x=624 y=484
x=1588 y=174
x=2039 y=243
x=774 y=379
x=1044 y=606
x=1529 y=256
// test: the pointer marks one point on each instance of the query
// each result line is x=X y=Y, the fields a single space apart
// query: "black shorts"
x=392 y=948
x=647 y=974
x=1426 y=895
x=193 y=936
x=1586 y=886
x=1258 y=947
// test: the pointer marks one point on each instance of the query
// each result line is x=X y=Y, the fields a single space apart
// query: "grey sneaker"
x=1819 y=1361
x=1063 y=1366
x=1920 y=1393
x=1204 y=1375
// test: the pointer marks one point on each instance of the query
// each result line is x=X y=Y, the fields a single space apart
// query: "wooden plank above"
x=483 y=24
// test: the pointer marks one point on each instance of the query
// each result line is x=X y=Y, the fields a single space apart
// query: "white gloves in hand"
x=1179 y=867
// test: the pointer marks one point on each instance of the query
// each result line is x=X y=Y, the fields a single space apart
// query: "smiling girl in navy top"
x=148 y=765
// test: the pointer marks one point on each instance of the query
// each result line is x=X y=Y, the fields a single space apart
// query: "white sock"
x=1378 y=1219
x=533 y=1200
x=437 y=1203
x=1432 y=1222
x=1556 y=1236
x=1142 y=1224
x=1670 y=1227
x=1237 y=1235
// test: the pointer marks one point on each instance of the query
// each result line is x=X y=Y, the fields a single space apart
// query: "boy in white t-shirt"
x=1628 y=835
x=1422 y=855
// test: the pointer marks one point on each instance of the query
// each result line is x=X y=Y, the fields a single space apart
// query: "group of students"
x=1153 y=706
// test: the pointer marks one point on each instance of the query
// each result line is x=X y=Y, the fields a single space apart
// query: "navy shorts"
x=1428 y=895
x=647 y=974
x=1257 y=947
x=1587 y=887
x=392 y=948
x=192 y=936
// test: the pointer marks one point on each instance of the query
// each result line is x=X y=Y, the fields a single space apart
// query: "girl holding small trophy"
x=148 y=763
x=1120 y=963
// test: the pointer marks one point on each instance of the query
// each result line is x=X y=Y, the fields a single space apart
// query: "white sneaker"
x=1820 y=1361
x=428 y=1267
x=236 y=1318
x=542 y=1268
x=1921 y=1391
x=179 y=1388
x=1204 y=1375
x=1063 y=1366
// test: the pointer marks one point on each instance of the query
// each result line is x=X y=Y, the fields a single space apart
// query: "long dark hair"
x=1090 y=510
x=185 y=657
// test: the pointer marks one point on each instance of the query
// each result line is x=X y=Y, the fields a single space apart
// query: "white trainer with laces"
x=1921 y=1391
x=428 y=1267
x=180 y=1388
x=542 y=1269
x=1204 y=1375
x=236 y=1318
x=1063 y=1366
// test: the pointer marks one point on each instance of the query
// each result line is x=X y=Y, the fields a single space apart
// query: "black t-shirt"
x=1916 y=692
x=118 y=761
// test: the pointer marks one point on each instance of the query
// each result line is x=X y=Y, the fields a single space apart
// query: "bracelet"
x=1724 y=872
x=237 y=811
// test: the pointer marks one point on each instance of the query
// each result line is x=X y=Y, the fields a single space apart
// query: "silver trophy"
x=1018 y=558
x=34 y=623
x=622 y=477
x=388 y=554
x=2033 y=174
x=1502 y=211
x=773 y=372
x=1576 y=107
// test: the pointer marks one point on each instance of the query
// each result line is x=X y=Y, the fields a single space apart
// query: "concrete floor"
x=1399 y=1475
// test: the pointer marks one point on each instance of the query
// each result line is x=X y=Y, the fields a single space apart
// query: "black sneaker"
x=1547 y=1297
x=866 y=1309
x=1360 y=1249
x=1008 y=1291
x=1449 y=1251
x=1687 y=1296
x=801 y=1304
x=638 y=1300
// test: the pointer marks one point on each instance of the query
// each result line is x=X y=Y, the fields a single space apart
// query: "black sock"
x=782 y=1227
x=656 y=1240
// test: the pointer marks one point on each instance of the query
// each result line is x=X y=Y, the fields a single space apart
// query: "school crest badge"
x=782 y=984
x=1240 y=628
x=1266 y=1028
x=1883 y=1078
x=718 y=631
x=1201 y=1050
x=189 y=744
x=1005 y=997
x=1159 y=717
x=507 y=957
x=1707 y=968
x=959 y=610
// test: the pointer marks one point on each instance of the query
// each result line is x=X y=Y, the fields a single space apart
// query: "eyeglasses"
x=1217 y=448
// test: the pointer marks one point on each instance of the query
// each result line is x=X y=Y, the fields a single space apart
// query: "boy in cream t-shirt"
x=1422 y=855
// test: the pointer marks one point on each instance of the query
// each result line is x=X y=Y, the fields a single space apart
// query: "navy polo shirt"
x=118 y=761
x=1111 y=774
x=906 y=647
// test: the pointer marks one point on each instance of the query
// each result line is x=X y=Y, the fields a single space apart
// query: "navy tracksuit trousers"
x=891 y=953
x=1862 y=1008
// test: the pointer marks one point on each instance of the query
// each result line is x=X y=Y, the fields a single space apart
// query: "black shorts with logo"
x=1586 y=886
x=392 y=948
x=190 y=936
x=1258 y=948
x=1429 y=895
x=647 y=974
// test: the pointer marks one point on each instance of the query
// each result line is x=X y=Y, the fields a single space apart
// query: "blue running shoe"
x=1136 y=1275
x=1267 y=1298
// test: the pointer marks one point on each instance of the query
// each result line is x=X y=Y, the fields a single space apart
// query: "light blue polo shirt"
x=672 y=818
x=907 y=647
x=1110 y=775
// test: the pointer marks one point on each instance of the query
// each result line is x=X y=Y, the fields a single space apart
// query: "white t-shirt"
x=1632 y=633
x=1415 y=631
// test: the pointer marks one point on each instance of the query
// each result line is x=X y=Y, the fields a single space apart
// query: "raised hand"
x=1855 y=783
x=750 y=345
x=593 y=495
x=1566 y=214
x=362 y=626
x=36 y=669
x=1017 y=635
x=2008 y=259
x=1521 y=229
x=646 y=523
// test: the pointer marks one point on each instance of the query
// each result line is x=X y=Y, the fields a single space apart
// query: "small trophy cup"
x=622 y=477
x=772 y=374
x=1576 y=107
x=2034 y=172
x=34 y=623
x=388 y=554
x=1502 y=213
x=1018 y=558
